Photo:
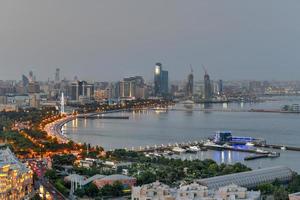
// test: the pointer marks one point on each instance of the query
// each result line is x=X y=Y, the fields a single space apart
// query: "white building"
x=153 y=191
x=234 y=192
x=194 y=191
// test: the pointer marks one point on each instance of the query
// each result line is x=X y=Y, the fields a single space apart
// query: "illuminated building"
x=15 y=178
x=161 y=81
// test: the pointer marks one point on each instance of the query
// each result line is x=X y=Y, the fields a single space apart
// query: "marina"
x=149 y=127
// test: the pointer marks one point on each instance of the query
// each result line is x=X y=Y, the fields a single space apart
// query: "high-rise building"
x=161 y=81
x=81 y=88
x=25 y=83
x=190 y=85
x=57 y=75
x=207 y=88
x=220 y=87
x=132 y=87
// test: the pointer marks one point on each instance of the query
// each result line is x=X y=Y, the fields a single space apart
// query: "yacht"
x=178 y=150
x=188 y=104
x=249 y=144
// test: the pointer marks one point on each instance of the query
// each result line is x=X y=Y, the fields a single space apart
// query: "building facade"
x=194 y=191
x=190 y=85
x=81 y=89
x=16 y=179
x=161 y=81
x=207 y=88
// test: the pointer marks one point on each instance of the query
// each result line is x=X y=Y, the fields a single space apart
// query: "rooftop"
x=249 y=179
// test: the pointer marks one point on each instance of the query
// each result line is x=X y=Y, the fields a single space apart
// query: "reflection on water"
x=149 y=128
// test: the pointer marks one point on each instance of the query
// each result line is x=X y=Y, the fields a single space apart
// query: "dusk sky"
x=108 y=40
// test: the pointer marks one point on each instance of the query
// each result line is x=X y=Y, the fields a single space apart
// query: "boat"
x=178 y=150
x=283 y=148
x=261 y=151
x=273 y=154
x=168 y=153
x=249 y=144
x=188 y=104
x=192 y=149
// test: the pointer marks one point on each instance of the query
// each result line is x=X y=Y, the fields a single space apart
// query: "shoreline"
x=54 y=129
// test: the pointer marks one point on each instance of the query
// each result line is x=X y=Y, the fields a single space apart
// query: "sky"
x=107 y=40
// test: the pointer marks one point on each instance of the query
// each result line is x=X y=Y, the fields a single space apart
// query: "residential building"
x=194 y=191
x=234 y=192
x=153 y=191
x=15 y=178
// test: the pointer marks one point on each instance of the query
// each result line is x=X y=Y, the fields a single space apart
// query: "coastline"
x=54 y=129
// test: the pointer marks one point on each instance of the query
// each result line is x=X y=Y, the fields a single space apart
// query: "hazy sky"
x=110 y=39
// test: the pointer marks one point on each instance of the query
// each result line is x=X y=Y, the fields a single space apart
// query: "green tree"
x=281 y=194
x=91 y=190
x=51 y=174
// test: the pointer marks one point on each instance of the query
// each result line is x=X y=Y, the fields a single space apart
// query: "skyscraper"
x=207 y=88
x=161 y=81
x=190 y=85
x=81 y=88
x=57 y=75
x=220 y=86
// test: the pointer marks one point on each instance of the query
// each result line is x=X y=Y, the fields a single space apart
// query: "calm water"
x=150 y=127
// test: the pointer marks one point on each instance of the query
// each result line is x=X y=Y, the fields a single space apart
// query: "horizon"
x=111 y=40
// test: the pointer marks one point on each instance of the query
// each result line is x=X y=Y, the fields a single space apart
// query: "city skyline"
x=110 y=40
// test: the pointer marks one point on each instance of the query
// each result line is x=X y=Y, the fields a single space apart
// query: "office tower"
x=161 y=81
x=190 y=85
x=220 y=86
x=132 y=87
x=25 y=83
x=81 y=89
x=207 y=88
x=57 y=75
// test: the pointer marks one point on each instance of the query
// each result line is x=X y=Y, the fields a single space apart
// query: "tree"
x=117 y=189
x=266 y=188
x=80 y=192
x=51 y=174
x=91 y=190
x=281 y=194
